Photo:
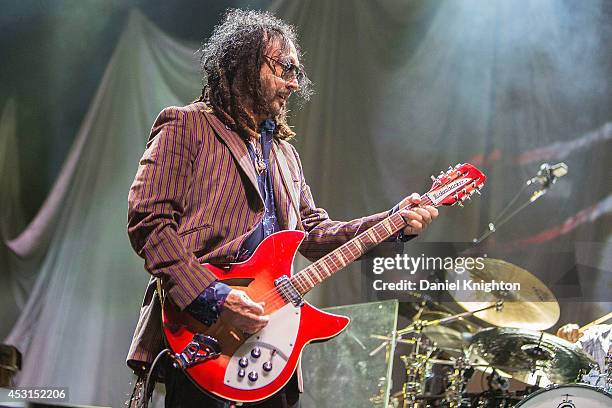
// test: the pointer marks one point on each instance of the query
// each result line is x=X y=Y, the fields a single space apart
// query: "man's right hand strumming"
x=241 y=312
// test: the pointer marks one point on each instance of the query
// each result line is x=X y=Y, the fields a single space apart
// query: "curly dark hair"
x=231 y=61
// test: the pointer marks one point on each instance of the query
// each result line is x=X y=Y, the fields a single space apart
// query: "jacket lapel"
x=286 y=196
x=237 y=147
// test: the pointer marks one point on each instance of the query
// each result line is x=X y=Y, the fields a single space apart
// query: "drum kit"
x=520 y=364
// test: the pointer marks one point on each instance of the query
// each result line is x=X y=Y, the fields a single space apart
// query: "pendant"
x=260 y=165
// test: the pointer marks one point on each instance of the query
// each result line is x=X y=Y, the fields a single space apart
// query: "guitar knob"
x=241 y=373
x=267 y=366
x=256 y=352
x=253 y=376
x=243 y=362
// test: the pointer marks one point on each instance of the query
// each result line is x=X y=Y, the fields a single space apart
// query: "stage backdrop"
x=404 y=88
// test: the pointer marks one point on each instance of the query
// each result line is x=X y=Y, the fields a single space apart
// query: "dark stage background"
x=403 y=89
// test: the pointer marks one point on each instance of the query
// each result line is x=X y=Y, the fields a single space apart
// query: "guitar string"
x=301 y=282
x=305 y=279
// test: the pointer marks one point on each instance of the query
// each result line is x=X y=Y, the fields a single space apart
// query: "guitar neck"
x=336 y=260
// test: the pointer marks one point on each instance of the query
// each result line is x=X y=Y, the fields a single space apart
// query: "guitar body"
x=279 y=344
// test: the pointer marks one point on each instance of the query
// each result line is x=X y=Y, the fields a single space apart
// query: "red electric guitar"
x=234 y=366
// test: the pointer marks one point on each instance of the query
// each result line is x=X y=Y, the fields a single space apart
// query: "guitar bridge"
x=288 y=291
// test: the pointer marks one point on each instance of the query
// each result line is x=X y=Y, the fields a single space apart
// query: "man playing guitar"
x=216 y=178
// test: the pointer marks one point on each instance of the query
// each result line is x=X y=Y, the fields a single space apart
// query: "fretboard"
x=331 y=263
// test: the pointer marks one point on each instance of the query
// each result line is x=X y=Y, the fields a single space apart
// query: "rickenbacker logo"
x=437 y=196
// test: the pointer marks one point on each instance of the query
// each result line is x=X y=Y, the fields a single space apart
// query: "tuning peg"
x=459 y=203
x=477 y=191
x=433 y=178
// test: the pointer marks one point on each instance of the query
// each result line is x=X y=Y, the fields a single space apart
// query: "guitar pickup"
x=285 y=288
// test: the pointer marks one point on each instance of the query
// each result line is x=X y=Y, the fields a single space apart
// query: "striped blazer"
x=195 y=200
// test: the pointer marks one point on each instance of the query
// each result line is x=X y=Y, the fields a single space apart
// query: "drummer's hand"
x=418 y=218
x=570 y=332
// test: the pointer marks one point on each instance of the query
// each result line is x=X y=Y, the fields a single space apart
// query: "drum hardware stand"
x=454 y=393
x=416 y=364
x=416 y=361
x=378 y=399
x=539 y=355
x=419 y=325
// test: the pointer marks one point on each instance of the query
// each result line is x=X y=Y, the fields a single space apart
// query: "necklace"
x=260 y=164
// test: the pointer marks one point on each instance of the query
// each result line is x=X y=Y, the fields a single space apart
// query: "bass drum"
x=568 y=396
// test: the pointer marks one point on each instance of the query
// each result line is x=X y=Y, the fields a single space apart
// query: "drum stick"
x=602 y=319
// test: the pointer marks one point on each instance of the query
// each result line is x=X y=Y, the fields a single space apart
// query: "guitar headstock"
x=455 y=185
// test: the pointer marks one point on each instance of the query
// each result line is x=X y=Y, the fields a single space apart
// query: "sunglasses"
x=290 y=71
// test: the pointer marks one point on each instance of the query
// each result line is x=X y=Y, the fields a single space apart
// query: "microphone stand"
x=545 y=178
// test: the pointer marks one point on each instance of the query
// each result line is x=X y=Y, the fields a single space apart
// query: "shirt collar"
x=268 y=125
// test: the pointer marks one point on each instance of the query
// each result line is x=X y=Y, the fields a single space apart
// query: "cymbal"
x=532 y=307
x=522 y=352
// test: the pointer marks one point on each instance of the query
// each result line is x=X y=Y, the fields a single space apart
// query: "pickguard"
x=275 y=343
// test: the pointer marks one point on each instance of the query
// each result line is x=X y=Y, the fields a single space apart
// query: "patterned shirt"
x=597 y=342
x=269 y=223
